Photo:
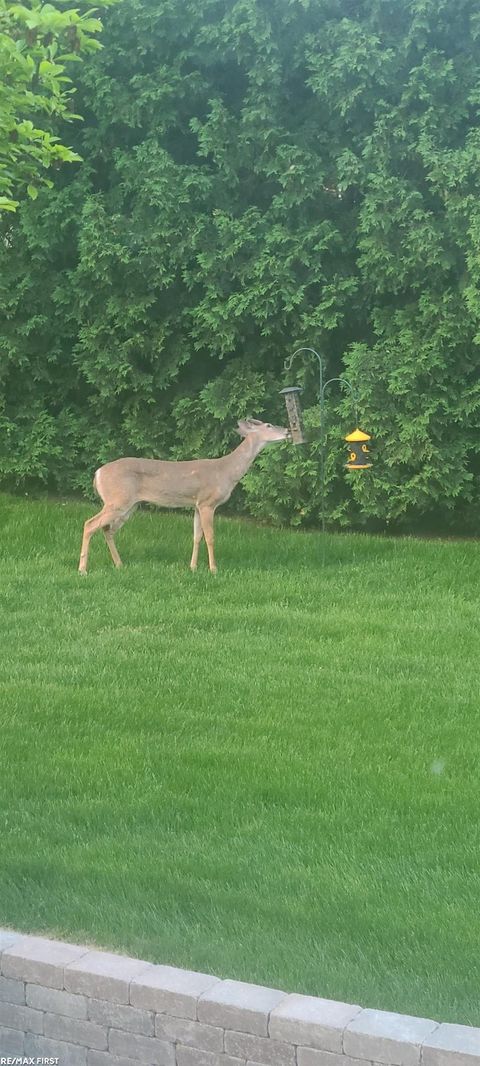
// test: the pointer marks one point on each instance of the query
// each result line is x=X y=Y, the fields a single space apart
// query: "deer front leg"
x=197 y=536
x=206 y=516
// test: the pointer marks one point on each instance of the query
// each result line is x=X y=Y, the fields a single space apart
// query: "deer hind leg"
x=197 y=537
x=109 y=520
x=206 y=517
x=112 y=546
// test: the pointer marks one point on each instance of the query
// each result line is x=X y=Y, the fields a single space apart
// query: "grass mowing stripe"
x=271 y=774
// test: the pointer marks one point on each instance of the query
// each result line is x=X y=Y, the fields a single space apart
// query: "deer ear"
x=243 y=427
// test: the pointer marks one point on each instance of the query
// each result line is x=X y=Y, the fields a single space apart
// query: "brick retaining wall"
x=84 y=1007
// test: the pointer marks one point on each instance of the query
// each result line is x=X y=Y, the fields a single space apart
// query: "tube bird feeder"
x=294 y=412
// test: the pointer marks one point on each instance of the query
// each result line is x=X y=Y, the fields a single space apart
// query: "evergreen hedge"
x=258 y=175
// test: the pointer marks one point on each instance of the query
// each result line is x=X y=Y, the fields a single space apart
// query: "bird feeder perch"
x=294 y=412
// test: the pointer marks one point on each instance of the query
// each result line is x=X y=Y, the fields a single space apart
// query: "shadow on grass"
x=243 y=546
x=159 y=538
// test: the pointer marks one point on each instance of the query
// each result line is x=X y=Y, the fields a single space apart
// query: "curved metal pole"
x=349 y=385
x=288 y=362
x=321 y=394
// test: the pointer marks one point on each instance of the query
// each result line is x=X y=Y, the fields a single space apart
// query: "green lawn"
x=272 y=774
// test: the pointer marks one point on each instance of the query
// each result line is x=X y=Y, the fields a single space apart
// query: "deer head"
x=264 y=431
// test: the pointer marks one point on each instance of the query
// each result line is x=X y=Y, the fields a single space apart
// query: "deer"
x=200 y=483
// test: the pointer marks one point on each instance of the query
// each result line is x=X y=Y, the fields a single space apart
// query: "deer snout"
x=278 y=433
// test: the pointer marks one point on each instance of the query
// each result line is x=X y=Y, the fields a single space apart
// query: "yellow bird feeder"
x=359 y=456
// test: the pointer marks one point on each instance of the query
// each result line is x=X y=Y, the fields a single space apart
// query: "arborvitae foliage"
x=258 y=175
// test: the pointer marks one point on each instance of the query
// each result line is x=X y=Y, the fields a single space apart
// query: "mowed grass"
x=271 y=774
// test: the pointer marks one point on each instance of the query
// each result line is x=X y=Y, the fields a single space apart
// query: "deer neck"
x=242 y=458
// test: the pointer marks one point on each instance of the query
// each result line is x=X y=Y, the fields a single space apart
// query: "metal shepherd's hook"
x=321 y=392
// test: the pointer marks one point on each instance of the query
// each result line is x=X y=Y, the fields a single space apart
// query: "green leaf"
x=6 y=204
